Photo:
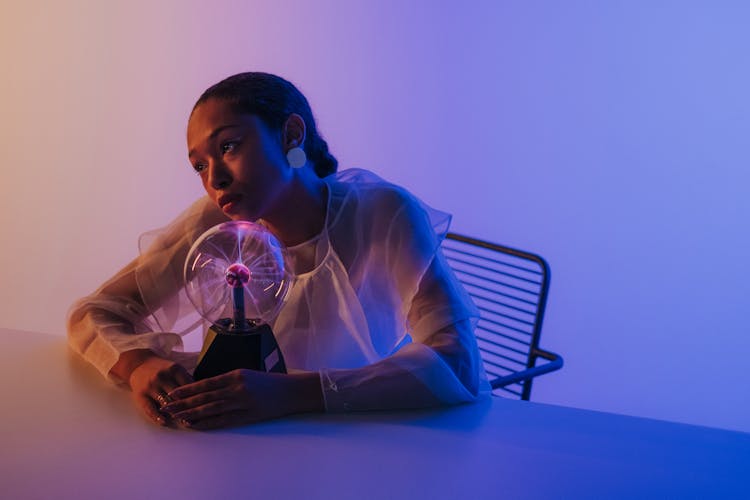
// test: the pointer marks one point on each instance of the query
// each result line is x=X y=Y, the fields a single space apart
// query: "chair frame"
x=554 y=360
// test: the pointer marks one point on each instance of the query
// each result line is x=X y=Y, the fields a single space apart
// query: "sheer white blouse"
x=373 y=306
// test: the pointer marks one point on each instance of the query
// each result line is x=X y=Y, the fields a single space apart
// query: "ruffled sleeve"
x=144 y=305
x=159 y=273
x=405 y=287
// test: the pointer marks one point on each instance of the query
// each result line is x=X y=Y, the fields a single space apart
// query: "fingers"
x=152 y=381
x=210 y=400
x=202 y=412
x=168 y=395
x=227 y=395
x=209 y=405
x=209 y=384
x=167 y=381
x=150 y=408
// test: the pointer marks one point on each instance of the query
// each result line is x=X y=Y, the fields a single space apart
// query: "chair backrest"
x=509 y=287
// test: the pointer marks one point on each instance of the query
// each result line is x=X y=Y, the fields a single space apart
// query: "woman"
x=367 y=266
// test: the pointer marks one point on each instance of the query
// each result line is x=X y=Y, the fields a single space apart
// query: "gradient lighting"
x=608 y=137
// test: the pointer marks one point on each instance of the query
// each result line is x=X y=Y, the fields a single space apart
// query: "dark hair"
x=273 y=99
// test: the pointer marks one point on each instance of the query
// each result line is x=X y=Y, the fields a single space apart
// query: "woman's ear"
x=293 y=132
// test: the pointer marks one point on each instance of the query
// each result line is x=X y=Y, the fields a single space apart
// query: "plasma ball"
x=237 y=275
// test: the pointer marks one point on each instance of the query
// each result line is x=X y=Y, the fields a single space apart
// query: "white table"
x=66 y=433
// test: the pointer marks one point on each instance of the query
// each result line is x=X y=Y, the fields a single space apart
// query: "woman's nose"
x=219 y=176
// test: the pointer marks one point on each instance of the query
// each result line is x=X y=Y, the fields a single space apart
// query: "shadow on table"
x=461 y=418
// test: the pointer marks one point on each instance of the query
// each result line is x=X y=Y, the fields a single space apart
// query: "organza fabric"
x=373 y=306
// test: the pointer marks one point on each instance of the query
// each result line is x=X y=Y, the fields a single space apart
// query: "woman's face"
x=239 y=159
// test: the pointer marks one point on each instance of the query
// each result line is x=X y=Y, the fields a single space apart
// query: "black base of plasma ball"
x=224 y=350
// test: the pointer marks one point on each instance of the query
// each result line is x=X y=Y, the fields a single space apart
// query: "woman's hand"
x=151 y=381
x=242 y=397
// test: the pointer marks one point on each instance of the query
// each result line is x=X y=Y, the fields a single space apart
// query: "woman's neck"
x=301 y=212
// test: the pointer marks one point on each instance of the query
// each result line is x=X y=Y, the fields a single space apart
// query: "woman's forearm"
x=415 y=377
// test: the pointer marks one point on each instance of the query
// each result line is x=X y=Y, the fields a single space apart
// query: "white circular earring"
x=296 y=157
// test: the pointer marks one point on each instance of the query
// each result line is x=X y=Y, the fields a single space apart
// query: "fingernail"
x=185 y=422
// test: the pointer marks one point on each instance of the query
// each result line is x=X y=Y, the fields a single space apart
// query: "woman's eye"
x=199 y=168
x=229 y=146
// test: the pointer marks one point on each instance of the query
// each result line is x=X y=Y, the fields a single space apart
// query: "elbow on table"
x=467 y=373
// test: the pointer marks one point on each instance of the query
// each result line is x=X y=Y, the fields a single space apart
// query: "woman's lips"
x=228 y=203
x=228 y=208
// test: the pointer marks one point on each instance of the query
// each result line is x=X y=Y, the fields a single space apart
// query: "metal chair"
x=509 y=287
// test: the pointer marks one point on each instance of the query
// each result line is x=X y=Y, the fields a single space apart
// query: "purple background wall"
x=610 y=137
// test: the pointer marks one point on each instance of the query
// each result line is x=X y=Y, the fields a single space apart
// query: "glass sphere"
x=231 y=255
